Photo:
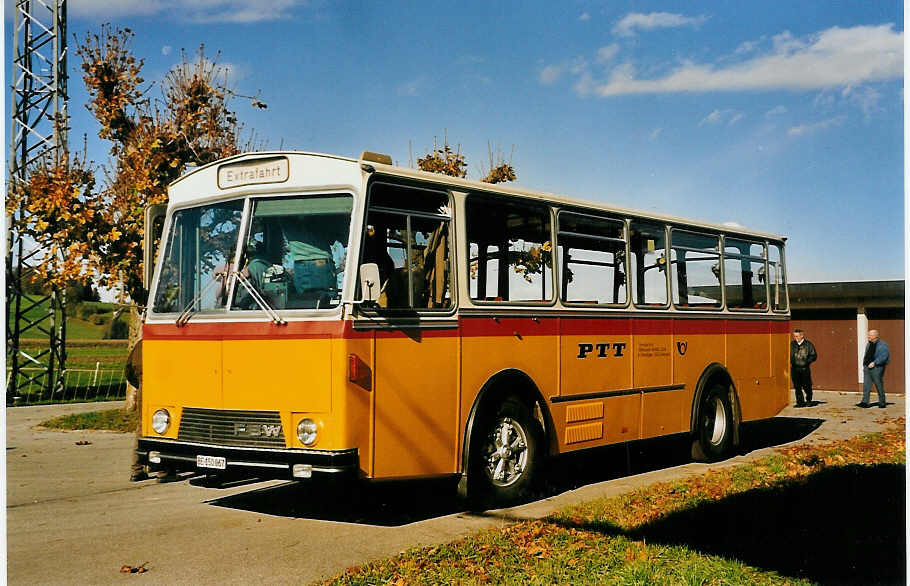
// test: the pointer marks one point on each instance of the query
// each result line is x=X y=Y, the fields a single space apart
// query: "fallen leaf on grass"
x=125 y=569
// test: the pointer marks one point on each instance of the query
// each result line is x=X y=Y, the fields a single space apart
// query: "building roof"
x=836 y=294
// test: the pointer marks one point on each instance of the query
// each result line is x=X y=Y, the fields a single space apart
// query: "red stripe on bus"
x=479 y=327
x=468 y=327
x=699 y=327
x=243 y=330
x=595 y=327
x=780 y=327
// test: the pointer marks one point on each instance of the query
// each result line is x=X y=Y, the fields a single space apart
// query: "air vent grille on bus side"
x=259 y=429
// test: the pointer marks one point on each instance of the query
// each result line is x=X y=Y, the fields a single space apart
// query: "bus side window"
x=695 y=274
x=648 y=262
x=776 y=278
x=592 y=253
x=408 y=237
x=745 y=274
x=509 y=249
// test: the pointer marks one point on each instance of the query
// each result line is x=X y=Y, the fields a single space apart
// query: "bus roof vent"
x=376 y=158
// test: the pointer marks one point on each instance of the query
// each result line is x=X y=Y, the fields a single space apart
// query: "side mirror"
x=369 y=282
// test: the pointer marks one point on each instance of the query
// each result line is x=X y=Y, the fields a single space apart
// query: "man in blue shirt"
x=875 y=360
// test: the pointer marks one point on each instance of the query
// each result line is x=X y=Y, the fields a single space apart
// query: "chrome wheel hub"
x=506 y=452
x=717 y=422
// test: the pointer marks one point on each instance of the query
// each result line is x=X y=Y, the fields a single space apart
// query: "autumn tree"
x=444 y=160
x=526 y=260
x=152 y=140
x=500 y=170
x=57 y=208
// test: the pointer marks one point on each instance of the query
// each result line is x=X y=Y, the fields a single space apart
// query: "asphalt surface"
x=73 y=517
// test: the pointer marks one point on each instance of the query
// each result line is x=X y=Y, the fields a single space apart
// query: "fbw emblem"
x=681 y=347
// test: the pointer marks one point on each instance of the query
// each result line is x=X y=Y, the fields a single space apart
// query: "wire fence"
x=79 y=384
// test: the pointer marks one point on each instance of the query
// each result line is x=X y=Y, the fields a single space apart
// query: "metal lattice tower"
x=37 y=135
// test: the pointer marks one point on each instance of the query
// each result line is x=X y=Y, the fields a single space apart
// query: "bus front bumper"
x=292 y=464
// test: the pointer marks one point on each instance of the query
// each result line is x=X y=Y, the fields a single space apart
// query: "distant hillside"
x=88 y=323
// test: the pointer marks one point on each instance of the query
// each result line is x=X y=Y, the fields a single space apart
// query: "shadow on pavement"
x=390 y=503
x=840 y=526
x=396 y=503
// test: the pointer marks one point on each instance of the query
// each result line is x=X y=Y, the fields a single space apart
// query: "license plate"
x=216 y=462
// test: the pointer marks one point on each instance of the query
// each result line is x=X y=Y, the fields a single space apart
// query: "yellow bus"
x=314 y=316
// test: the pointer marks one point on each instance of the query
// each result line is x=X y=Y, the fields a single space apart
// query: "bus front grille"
x=259 y=429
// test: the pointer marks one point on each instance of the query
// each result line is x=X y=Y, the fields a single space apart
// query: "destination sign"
x=271 y=170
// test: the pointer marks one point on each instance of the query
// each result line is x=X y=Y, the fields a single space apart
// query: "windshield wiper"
x=189 y=310
x=251 y=289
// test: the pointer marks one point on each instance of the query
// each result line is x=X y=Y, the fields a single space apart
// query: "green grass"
x=110 y=420
x=76 y=329
x=111 y=354
x=814 y=513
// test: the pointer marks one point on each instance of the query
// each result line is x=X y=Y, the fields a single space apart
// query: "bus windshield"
x=295 y=252
x=200 y=245
x=293 y=255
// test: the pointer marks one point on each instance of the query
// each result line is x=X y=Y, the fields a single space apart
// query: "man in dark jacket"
x=802 y=354
x=875 y=359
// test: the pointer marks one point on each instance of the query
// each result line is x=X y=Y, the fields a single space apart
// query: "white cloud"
x=637 y=21
x=224 y=71
x=836 y=57
x=198 y=11
x=98 y=9
x=865 y=98
x=585 y=85
x=712 y=118
x=604 y=54
x=775 y=111
x=746 y=47
x=727 y=117
x=549 y=74
x=584 y=16
x=811 y=128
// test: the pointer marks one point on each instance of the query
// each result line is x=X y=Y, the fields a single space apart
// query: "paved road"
x=73 y=517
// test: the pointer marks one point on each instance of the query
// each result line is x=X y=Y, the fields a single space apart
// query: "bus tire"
x=714 y=429
x=504 y=453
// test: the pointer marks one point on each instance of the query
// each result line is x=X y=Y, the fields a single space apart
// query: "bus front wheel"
x=714 y=426
x=504 y=454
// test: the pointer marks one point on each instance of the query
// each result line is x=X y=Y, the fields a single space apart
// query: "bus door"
x=416 y=333
x=596 y=350
x=596 y=374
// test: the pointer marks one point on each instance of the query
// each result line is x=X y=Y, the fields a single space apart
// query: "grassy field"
x=110 y=420
x=830 y=513
x=94 y=365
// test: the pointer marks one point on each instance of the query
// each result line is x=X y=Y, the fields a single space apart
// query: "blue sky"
x=785 y=117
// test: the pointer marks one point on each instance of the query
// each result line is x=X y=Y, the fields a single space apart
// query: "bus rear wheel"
x=504 y=454
x=714 y=426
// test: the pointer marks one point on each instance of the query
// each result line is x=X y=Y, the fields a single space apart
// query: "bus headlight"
x=161 y=420
x=306 y=432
